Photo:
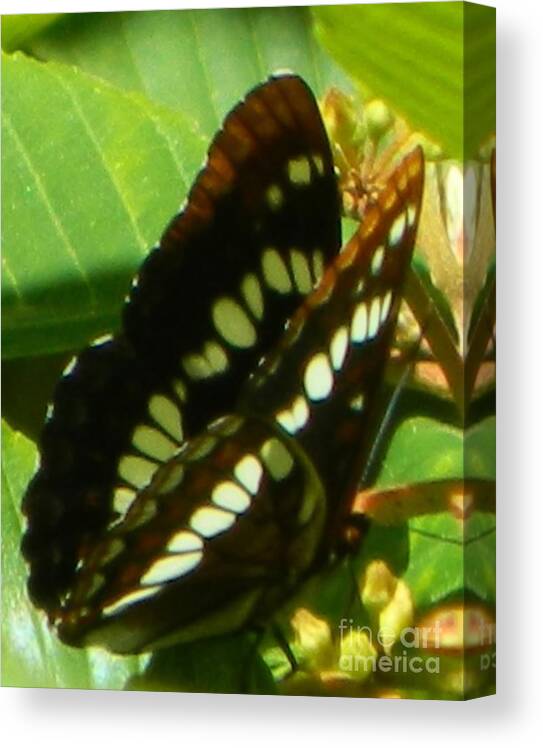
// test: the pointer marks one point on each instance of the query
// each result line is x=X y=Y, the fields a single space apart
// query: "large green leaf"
x=434 y=63
x=90 y=176
x=424 y=449
x=93 y=168
x=195 y=61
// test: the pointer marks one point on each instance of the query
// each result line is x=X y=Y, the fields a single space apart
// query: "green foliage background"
x=105 y=121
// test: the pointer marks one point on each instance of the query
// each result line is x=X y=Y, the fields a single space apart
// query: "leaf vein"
x=201 y=60
x=13 y=280
x=155 y=121
x=92 y=135
x=57 y=223
x=262 y=68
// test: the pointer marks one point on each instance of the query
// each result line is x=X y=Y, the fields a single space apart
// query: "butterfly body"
x=199 y=466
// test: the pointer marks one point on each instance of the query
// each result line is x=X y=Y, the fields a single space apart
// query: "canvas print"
x=248 y=294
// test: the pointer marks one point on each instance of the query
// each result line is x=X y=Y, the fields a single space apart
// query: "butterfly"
x=196 y=468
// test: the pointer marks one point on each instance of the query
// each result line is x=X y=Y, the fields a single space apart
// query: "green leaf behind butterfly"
x=98 y=157
x=195 y=61
x=434 y=63
x=81 y=166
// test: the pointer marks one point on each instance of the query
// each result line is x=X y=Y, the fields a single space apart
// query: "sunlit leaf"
x=423 y=449
x=94 y=171
x=204 y=61
x=90 y=176
x=434 y=63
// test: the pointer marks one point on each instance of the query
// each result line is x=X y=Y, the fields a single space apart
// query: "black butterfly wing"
x=255 y=503
x=216 y=542
x=261 y=222
x=320 y=384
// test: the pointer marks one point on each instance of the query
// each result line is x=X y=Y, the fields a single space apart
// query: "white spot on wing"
x=274 y=196
x=130 y=599
x=153 y=443
x=397 y=230
x=373 y=323
x=213 y=361
x=196 y=366
x=359 y=326
x=136 y=470
x=167 y=415
x=248 y=472
x=209 y=521
x=171 y=567
x=252 y=292
x=299 y=171
x=233 y=324
x=185 y=541
x=318 y=378
x=300 y=270
x=300 y=411
x=357 y=402
x=229 y=495
x=338 y=347
x=411 y=214
x=180 y=390
x=318 y=162
x=216 y=356
x=277 y=458
x=377 y=260
x=286 y=419
x=385 y=307
x=294 y=418
x=123 y=498
x=275 y=271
